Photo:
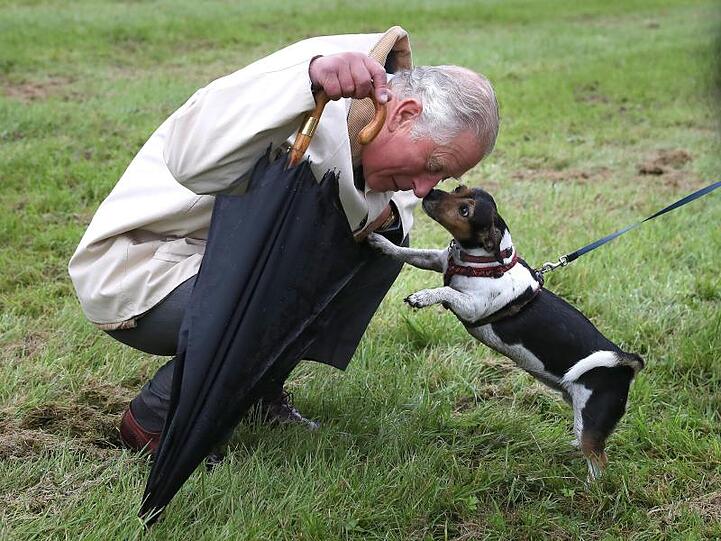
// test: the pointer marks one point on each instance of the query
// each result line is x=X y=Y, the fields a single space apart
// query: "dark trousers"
x=346 y=318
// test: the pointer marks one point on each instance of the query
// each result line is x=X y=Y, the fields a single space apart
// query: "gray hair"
x=454 y=100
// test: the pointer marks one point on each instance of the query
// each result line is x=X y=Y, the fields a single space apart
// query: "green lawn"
x=428 y=435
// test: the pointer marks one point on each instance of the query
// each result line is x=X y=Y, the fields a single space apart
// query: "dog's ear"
x=491 y=241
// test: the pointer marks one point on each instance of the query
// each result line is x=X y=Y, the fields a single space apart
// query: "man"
x=135 y=266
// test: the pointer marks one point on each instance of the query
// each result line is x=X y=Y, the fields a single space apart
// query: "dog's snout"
x=433 y=194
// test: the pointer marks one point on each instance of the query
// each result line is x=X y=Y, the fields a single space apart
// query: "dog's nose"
x=422 y=186
x=433 y=194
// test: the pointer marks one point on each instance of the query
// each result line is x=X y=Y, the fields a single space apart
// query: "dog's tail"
x=607 y=359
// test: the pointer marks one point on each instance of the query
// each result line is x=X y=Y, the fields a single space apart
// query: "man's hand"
x=349 y=75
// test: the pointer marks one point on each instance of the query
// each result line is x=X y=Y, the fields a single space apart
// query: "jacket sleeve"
x=216 y=137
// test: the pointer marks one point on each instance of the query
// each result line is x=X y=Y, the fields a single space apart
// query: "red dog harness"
x=495 y=271
x=492 y=271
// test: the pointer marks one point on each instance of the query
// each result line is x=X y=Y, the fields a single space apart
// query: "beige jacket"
x=149 y=234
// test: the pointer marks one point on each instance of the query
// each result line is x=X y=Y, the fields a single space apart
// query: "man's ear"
x=404 y=114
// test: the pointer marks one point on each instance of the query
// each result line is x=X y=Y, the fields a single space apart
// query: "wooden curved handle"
x=367 y=134
x=307 y=130
x=311 y=120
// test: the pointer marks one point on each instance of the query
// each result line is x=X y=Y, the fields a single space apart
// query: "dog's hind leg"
x=591 y=444
x=598 y=417
x=598 y=386
x=577 y=395
x=593 y=447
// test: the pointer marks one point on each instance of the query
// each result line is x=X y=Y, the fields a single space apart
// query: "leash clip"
x=549 y=266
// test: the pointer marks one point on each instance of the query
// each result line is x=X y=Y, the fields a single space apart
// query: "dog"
x=502 y=302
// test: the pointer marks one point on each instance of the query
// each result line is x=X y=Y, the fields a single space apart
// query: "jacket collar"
x=393 y=51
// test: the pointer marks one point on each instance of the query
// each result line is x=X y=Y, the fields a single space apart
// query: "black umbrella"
x=275 y=260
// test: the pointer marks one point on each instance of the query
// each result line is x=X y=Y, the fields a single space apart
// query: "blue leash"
x=566 y=259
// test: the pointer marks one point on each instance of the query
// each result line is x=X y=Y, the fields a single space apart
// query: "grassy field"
x=609 y=112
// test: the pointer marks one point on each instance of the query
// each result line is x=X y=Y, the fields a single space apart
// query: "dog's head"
x=470 y=215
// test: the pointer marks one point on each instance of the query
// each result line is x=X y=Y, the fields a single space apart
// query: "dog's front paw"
x=381 y=244
x=420 y=299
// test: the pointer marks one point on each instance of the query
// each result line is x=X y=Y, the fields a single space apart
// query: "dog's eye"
x=464 y=211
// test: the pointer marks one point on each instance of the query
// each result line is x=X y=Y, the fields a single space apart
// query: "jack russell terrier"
x=502 y=303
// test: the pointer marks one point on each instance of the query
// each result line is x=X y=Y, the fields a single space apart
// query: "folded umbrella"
x=275 y=259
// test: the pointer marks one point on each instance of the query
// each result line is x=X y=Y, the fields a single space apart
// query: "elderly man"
x=135 y=266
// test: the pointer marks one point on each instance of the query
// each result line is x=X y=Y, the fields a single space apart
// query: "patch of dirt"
x=30 y=91
x=30 y=345
x=581 y=176
x=85 y=424
x=680 y=180
x=79 y=421
x=105 y=397
x=16 y=442
x=707 y=506
x=14 y=135
x=90 y=419
x=664 y=161
x=479 y=528
x=589 y=93
x=669 y=168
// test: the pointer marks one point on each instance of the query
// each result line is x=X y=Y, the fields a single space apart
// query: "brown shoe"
x=135 y=437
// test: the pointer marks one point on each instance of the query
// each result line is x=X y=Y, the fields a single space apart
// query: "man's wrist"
x=314 y=87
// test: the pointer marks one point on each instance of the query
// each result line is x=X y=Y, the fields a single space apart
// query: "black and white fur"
x=548 y=337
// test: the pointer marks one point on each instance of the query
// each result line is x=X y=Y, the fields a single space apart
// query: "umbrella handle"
x=310 y=123
x=369 y=132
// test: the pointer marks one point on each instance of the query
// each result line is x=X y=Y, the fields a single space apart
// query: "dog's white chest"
x=492 y=294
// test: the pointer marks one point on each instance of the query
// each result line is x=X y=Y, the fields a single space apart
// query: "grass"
x=428 y=435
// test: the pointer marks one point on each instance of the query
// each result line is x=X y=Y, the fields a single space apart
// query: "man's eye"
x=434 y=167
x=464 y=211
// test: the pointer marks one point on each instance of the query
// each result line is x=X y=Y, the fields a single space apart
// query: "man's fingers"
x=362 y=79
x=332 y=87
x=347 y=82
x=380 y=83
x=350 y=75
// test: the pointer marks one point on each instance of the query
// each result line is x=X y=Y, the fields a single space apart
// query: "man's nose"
x=423 y=185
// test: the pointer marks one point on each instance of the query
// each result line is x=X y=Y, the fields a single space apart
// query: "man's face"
x=393 y=161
